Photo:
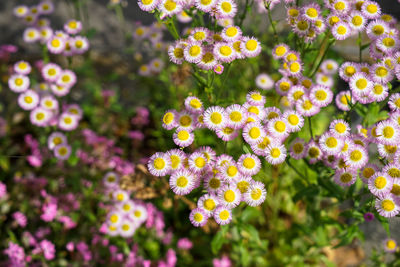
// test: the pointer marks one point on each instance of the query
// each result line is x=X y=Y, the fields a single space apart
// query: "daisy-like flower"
x=62 y=151
x=159 y=164
x=394 y=102
x=360 y=84
x=22 y=67
x=250 y=47
x=176 y=52
x=194 y=104
x=283 y=86
x=229 y=196
x=205 y=5
x=325 y=80
x=311 y=12
x=341 y=30
x=255 y=98
x=199 y=34
x=59 y=90
x=278 y=128
x=198 y=217
x=259 y=147
x=302 y=26
x=49 y=102
x=388 y=44
x=56 y=45
x=226 y=9
x=75 y=110
x=296 y=94
x=127 y=228
x=114 y=217
x=224 y=52
x=339 y=128
x=110 y=179
x=256 y=194
x=148 y=5
x=219 y=69
x=208 y=152
x=79 y=44
x=40 y=116
x=306 y=107
x=388 y=132
x=347 y=70
x=68 y=122
x=298 y=149
x=170 y=7
x=197 y=162
x=392 y=170
x=330 y=144
x=227 y=133
x=280 y=51
x=356 y=157
x=275 y=153
x=387 y=206
x=390 y=245
x=236 y=116
x=170 y=119
x=31 y=35
x=51 y=72
x=342 y=100
x=139 y=213
x=185 y=120
x=231 y=33
x=193 y=52
x=182 y=182
x=28 y=100
x=229 y=171
x=222 y=215
x=249 y=164
x=264 y=81
x=177 y=158
x=208 y=61
x=367 y=172
x=67 y=78
x=45 y=34
x=329 y=67
x=357 y=21
x=184 y=17
x=73 y=26
x=380 y=184
x=376 y=29
x=387 y=151
x=215 y=117
x=314 y=152
x=295 y=68
x=272 y=113
x=20 y=11
x=253 y=132
x=55 y=139
x=371 y=10
x=45 y=7
x=320 y=95
x=183 y=138
x=18 y=83
x=254 y=112
x=213 y=183
x=208 y=203
x=345 y=177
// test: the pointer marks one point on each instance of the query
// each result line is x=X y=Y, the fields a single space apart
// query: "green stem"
x=326 y=44
x=359 y=47
x=228 y=69
x=310 y=127
x=243 y=16
x=296 y=170
x=45 y=54
x=267 y=6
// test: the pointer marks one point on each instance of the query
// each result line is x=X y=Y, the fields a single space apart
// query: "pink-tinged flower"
x=73 y=26
x=320 y=95
x=51 y=72
x=182 y=182
x=184 y=243
x=22 y=67
x=205 y=6
x=377 y=28
x=49 y=212
x=380 y=184
x=250 y=47
x=18 y=83
x=255 y=194
x=48 y=249
x=15 y=254
x=222 y=215
x=31 y=35
x=219 y=69
x=345 y=177
x=67 y=78
x=56 y=45
x=387 y=206
x=223 y=262
x=343 y=99
x=20 y=218
x=148 y=6
x=275 y=153
x=388 y=132
x=68 y=122
x=390 y=245
x=159 y=164
x=34 y=160
x=368 y=216
x=226 y=9
x=183 y=138
x=28 y=100
x=62 y=151
x=371 y=10
x=40 y=116
x=224 y=52
x=3 y=190
x=20 y=11
x=70 y=246
x=79 y=44
x=194 y=105
x=45 y=7
x=198 y=217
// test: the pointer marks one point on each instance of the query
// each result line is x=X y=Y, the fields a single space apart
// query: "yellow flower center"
x=256 y=194
x=243 y=186
x=321 y=95
x=168 y=118
x=224 y=215
x=214 y=183
x=200 y=162
x=388 y=132
x=298 y=148
x=345 y=177
x=388 y=205
x=183 y=135
x=231 y=31
x=380 y=182
x=362 y=83
x=209 y=204
x=249 y=163
x=331 y=142
x=28 y=99
x=194 y=51
x=216 y=118
x=170 y=5
x=235 y=116
x=159 y=163
x=368 y=172
x=275 y=152
x=254 y=132
x=226 y=7
x=251 y=45
x=198 y=217
x=231 y=171
x=280 y=126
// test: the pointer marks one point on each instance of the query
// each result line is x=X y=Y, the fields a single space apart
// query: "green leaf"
x=311 y=190
x=218 y=240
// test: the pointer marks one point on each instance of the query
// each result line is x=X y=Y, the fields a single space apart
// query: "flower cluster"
x=43 y=104
x=66 y=41
x=149 y=39
x=208 y=49
x=228 y=182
